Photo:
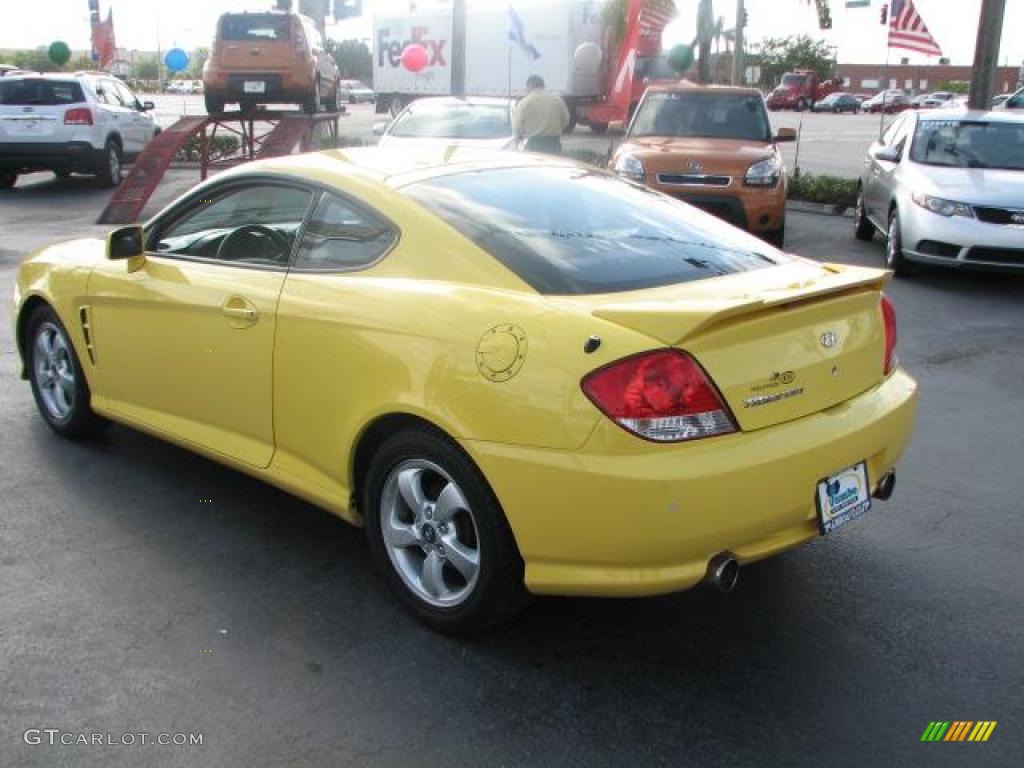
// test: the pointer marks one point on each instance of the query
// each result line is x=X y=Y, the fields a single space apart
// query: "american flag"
x=908 y=30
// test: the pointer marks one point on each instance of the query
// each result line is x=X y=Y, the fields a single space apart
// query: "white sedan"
x=449 y=121
x=946 y=187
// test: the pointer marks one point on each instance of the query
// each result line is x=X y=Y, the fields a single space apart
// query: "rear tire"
x=894 y=258
x=311 y=104
x=8 y=180
x=776 y=237
x=214 y=105
x=109 y=172
x=424 y=549
x=863 y=229
x=58 y=382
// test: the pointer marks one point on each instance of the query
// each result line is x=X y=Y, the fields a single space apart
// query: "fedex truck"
x=564 y=41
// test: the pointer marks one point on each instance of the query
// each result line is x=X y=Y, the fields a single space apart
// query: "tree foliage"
x=353 y=57
x=778 y=55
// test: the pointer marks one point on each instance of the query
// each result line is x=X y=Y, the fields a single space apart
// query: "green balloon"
x=59 y=53
x=680 y=58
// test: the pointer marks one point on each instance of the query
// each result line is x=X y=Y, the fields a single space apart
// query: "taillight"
x=663 y=396
x=301 y=49
x=78 y=116
x=889 y=320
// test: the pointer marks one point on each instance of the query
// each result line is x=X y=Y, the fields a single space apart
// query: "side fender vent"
x=83 y=316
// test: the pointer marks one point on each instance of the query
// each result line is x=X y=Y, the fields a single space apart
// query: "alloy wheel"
x=54 y=371
x=430 y=533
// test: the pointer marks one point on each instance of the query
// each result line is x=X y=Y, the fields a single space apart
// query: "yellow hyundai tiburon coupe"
x=519 y=373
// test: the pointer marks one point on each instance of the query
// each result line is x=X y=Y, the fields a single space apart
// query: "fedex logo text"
x=391 y=49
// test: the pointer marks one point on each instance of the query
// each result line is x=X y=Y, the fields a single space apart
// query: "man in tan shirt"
x=540 y=118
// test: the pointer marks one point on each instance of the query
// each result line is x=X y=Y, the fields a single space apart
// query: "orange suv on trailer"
x=270 y=57
x=713 y=147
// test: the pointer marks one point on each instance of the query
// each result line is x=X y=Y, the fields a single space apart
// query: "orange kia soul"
x=713 y=147
x=270 y=57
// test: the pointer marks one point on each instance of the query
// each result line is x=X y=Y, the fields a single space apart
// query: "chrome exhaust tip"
x=723 y=572
x=885 y=486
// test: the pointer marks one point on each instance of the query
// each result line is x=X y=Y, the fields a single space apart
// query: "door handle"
x=239 y=308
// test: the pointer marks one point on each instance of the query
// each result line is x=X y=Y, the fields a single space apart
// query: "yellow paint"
x=286 y=394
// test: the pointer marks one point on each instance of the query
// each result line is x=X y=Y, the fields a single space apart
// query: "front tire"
x=214 y=105
x=776 y=237
x=311 y=104
x=894 y=258
x=438 y=534
x=58 y=383
x=863 y=229
x=8 y=180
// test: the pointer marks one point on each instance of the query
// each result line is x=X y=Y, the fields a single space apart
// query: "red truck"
x=635 y=62
x=800 y=89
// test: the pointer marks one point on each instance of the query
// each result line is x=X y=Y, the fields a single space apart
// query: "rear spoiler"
x=673 y=322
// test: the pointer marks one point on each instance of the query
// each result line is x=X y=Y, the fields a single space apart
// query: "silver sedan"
x=946 y=188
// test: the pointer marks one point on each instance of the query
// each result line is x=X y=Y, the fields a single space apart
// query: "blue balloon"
x=176 y=59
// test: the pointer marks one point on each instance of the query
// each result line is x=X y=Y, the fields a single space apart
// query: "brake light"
x=78 y=116
x=889 y=320
x=663 y=396
x=301 y=49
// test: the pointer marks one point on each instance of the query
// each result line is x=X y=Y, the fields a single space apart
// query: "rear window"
x=40 y=92
x=569 y=231
x=454 y=122
x=702 y=114
x=257 y=27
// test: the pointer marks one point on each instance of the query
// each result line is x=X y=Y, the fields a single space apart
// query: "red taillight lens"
x=889 y=319
x=663 y=396
x=78 y=116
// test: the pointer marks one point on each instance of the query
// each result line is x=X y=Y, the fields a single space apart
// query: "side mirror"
x=617 y=126
x=785 y=134
x=884 y=154
x=147 y=106
x=125 y=243
x=380 y=127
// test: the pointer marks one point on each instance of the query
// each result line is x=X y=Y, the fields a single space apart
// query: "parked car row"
x=184 y=87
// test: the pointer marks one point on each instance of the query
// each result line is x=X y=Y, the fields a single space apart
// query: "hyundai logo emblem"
x=828 y=339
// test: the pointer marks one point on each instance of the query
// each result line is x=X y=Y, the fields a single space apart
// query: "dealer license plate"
x=254 y=86
x=843 y=497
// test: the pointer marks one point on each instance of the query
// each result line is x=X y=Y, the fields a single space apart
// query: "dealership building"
x=913 y=78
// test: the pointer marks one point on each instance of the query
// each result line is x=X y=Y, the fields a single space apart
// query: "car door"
x=141 y=122
x=879 y=177
x=121 y=116
x=184 y=336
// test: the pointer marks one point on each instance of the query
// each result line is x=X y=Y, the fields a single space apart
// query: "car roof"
x=397 y=166
x=689 y=85
x=454 y=101
x=982 y=115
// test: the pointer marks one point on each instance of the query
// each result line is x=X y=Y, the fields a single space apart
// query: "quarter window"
x=341 y=236
x=254 y=225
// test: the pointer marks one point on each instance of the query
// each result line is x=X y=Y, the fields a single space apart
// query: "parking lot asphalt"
x=145 y=589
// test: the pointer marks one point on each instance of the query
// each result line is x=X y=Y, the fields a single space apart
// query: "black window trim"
x=159 y=223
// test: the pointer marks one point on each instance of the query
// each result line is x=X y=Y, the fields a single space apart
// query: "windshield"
x=791 y=80
x=40 y=92
x=655 y=68
x=702 y=114
x=257 y=27
x=568 y=230
x=969 y=144
x=454 y=121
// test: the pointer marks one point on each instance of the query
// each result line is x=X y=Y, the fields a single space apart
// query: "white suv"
x=84 y=123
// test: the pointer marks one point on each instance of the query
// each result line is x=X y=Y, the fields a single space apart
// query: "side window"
x=341 y=236
x=103 y=94
x=890 y=133
x=255 y=224
x=126 y=96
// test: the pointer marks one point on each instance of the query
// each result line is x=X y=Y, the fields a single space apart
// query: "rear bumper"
x=278 y=86
x=24 y=157
x=648 y=518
